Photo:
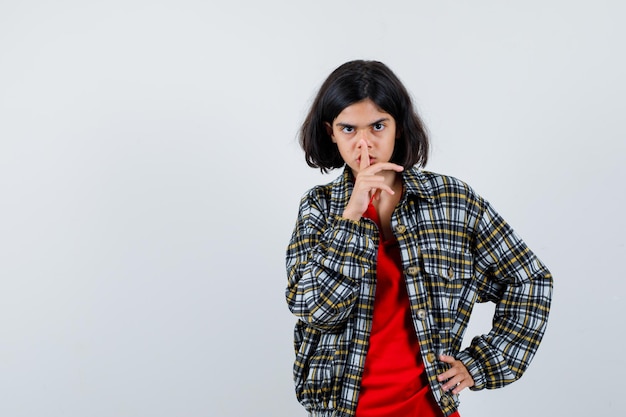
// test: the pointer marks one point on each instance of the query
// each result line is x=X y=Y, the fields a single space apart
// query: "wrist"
x=350 y=215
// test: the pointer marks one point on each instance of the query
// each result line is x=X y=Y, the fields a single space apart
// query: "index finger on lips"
x=365 y=158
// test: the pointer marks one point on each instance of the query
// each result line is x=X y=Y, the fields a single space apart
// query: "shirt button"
x=400 y=228
x=421 y=314
x=412 y=270
x=430 y=357
x=450 y=273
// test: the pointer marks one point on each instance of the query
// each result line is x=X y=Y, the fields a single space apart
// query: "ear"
x=329 y=131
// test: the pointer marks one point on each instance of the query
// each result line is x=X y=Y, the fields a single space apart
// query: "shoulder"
x=435 y=186
x=441 y=184
x=324 y=195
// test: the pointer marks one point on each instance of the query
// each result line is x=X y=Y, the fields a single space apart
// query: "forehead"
x=362 y=112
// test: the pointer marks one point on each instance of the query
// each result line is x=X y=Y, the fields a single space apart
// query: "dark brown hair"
x=352 y=82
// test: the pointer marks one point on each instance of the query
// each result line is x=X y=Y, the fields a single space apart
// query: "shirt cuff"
x=474 y=368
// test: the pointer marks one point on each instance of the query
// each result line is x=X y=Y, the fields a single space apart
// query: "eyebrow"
x=384 y=119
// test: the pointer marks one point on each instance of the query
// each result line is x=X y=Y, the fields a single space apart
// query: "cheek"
x=344 y=149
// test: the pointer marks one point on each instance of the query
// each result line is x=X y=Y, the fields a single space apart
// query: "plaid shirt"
x=456 y=250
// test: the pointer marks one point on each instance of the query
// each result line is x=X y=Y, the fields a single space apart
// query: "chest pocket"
x=448 y=279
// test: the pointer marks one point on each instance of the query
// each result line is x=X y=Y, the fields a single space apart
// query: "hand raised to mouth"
x=367 y=183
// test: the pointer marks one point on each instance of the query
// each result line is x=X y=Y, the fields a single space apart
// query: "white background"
x=150 y=177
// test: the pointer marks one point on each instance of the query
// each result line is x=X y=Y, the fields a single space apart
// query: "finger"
x=452 y=371
x=449 y=374
x=385 y=166
x=456 y=378
x=365 y=158
x=465 y=382
x=458 y=383
x=447 y=359
x=374 y=184
x=453 y=383
x=460 y=387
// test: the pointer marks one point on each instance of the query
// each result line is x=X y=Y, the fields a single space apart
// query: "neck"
x=392 y=178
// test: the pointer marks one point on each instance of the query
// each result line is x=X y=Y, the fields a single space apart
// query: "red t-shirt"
x=394 y=381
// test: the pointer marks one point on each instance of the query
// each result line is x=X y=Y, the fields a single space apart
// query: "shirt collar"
x=416 y=183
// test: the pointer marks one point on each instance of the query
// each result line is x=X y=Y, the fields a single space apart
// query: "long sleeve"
x=521 y=286
x=326 y=258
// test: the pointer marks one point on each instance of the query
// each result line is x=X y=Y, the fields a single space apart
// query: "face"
x=363 y=120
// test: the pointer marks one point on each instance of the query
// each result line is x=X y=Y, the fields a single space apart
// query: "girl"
x=386 y=262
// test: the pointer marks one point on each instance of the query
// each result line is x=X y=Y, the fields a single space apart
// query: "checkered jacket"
x=456 y=251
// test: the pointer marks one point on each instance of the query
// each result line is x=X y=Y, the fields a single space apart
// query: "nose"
x=364 y=135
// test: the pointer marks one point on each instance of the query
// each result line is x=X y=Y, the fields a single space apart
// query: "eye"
x=378 y=127
x=347 y=129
